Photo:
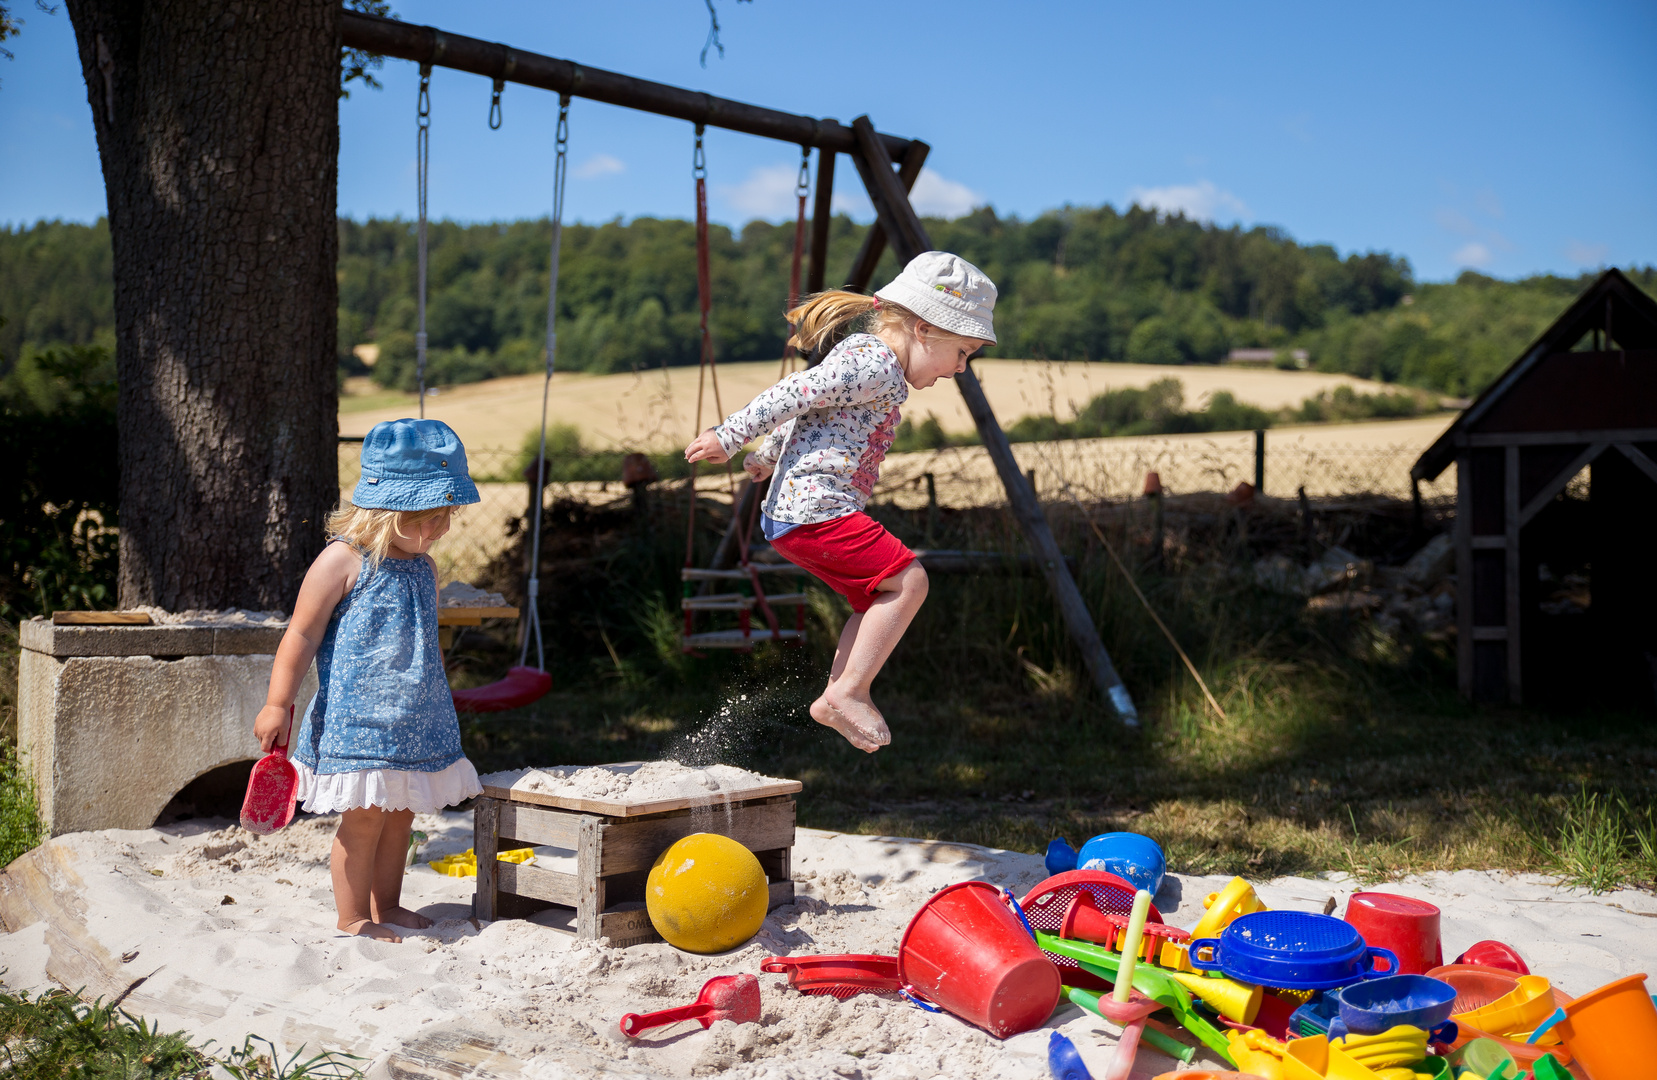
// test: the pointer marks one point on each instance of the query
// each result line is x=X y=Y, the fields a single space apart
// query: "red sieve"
x=1475 y=986
x=840 y=976
x=1046 y=904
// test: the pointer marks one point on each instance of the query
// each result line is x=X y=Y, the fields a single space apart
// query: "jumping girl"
x=380 y=741
x=829 y=428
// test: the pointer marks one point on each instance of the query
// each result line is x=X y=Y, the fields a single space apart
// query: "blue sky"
x=1512 y=137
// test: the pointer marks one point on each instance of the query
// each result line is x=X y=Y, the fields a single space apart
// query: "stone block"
x=110 y=739
x=40 y=636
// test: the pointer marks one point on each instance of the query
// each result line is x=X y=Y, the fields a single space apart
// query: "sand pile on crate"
x=207 y=928
x=648 y=782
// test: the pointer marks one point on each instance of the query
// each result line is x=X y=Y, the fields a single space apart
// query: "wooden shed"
x=1556 y=512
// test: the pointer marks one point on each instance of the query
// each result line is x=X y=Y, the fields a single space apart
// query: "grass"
x=1344 y=749
x=57 y=1036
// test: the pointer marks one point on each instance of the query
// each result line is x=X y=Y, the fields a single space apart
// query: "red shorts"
x=851 y=554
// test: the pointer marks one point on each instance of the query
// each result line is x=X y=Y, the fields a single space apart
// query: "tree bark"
x=218 y=131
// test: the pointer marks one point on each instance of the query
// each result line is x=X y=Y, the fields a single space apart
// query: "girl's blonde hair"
x=827 y=316
x=373 y=530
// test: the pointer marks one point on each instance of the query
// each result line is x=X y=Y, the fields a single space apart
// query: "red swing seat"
x=522 y=686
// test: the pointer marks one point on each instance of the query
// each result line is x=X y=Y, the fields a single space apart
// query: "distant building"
x=1269 y=358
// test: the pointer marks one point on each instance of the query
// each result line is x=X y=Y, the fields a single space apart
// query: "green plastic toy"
x=1154 y=984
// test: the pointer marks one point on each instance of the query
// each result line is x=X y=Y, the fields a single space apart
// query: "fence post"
x=1260 y=461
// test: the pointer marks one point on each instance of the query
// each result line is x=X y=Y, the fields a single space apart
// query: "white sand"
x=516 y=998
x=633 y=782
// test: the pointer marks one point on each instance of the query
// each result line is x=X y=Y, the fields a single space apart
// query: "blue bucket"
x=1130 y=856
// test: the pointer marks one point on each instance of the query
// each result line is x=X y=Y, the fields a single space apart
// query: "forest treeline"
x=1076 y=284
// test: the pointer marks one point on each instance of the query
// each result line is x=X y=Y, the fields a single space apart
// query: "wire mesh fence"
x=964 y=477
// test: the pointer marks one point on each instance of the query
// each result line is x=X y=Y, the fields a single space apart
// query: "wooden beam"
x=1485 y=543
x=429 y=45
x=1510 y=569
x=1630 y=451
x=908 y=238
x=1560 y=480
x=822 y=216
x=1555 y=438
x=874 y=241
x=1464 y=574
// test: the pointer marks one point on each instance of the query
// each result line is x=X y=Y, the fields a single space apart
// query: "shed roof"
x=1633 y=320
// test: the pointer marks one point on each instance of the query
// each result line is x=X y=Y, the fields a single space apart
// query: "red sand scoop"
x=840 y=976
x=723 y=997
x=272 y=788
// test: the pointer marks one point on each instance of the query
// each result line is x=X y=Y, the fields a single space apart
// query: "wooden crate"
x=613 y=853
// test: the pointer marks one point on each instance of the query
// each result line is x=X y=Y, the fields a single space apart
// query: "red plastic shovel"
x=272 y=788
x=841 y=976
x=724 y=997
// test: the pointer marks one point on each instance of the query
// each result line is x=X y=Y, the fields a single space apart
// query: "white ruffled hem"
x=387 y=789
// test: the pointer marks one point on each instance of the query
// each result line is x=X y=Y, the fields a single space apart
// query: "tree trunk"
x=218 y=130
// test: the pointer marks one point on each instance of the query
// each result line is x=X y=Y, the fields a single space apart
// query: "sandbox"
x=202 y=927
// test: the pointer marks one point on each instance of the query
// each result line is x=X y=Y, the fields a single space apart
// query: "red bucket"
x=1408 y=927
x=967 y=950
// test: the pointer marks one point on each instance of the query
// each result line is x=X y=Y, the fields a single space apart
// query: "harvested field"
x=656 y=410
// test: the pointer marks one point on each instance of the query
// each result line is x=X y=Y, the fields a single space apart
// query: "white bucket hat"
x=948 y=292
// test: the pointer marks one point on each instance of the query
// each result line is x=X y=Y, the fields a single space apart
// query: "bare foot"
x=369 y=929
x=853 y=716
x=402 y=916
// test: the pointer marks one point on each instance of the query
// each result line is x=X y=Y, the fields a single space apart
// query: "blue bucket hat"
x=413 y=465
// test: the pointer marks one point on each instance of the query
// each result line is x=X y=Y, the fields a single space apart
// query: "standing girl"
x=380 y=741
x=829 y=427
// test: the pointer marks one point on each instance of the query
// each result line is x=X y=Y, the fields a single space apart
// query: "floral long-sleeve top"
x=829 y=429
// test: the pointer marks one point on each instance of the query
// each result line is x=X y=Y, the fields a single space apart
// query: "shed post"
x=1510 y=567
x=1464 y=574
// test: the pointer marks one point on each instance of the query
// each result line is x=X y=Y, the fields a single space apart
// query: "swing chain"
x=423 y=115
x=802 y=182
x=495 y=105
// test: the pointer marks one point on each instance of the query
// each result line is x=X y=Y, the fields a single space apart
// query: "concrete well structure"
x=113 y=721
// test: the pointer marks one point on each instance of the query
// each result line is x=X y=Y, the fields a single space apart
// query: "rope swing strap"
x=532 y=592
x=802 y=188
x=704 y=300
x=422 y=154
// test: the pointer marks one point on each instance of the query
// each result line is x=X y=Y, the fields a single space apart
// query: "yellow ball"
x=706 y=893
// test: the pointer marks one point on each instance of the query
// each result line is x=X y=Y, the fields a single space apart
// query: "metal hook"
x=802 y=182
x=495 y=105
x=699 y=160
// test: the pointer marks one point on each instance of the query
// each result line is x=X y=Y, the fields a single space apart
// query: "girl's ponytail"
x=818 y=318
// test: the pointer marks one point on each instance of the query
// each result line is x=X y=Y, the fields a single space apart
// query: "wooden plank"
x=782 y=893
x=1559 y=481
x=610 y=808
x=1547 y=438
x=1634 y=454
x=874 y=241
x=100 y=618
x=537 y=883
x=777 y=863
x=822 y=216
x=534 y=827
x=486 y=845
x=627 y=928
x=1510 y=567
x=736 y=639
x=473 y=616
x=441 y=48
x=694 y=573
x=1464 y=574
x=909 y=239
x=634 y=845
x=589 y=900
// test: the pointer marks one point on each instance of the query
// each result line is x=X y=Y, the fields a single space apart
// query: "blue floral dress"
x=382 y=730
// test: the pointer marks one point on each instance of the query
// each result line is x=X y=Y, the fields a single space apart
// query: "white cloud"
x=767 y=193
x=935 y=196
x=1586 y=254
x=599 y=165
x=1474 y=254
x=1202 y=200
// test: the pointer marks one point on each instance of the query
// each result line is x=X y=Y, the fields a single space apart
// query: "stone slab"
x=41 y=636
x=111 y=739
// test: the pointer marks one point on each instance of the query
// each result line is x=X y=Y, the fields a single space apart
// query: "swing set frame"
x=888 y=166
